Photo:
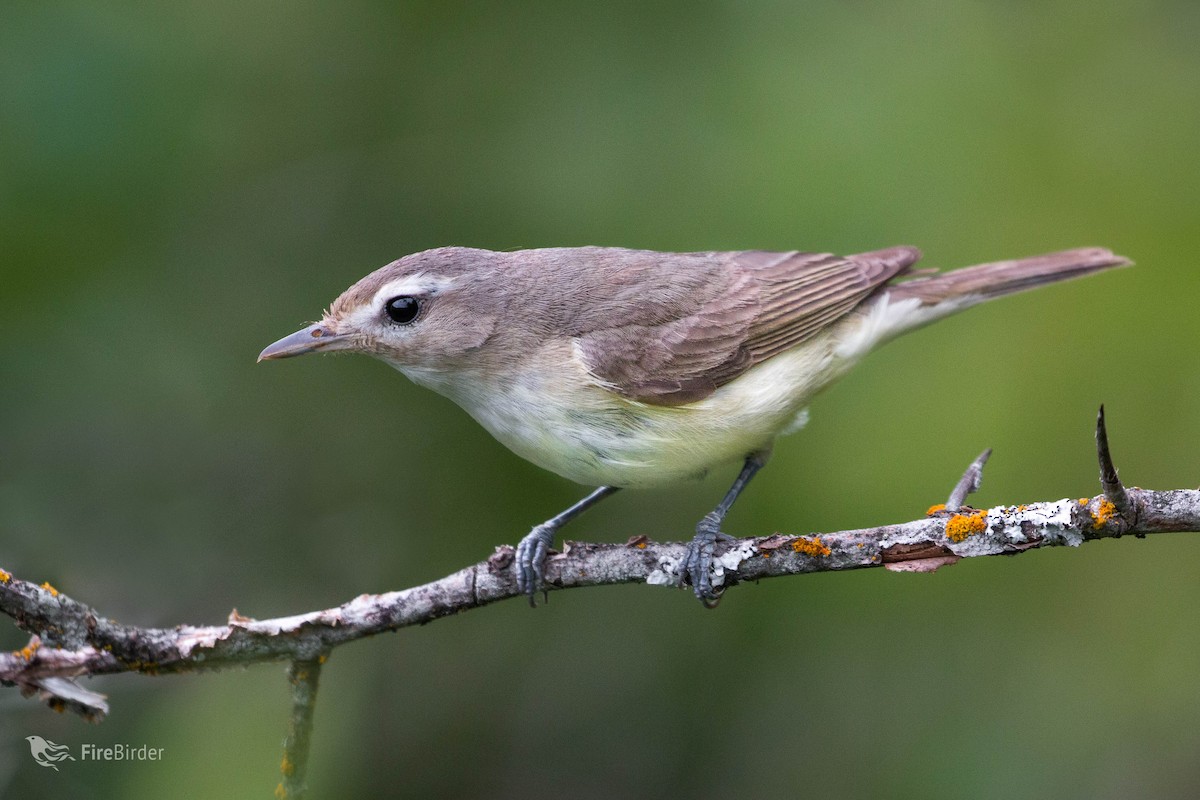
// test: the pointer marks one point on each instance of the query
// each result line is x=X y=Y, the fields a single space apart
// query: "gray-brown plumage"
x=759 y=304
x=622 y=367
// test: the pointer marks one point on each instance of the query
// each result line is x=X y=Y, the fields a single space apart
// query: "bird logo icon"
x=47 y=753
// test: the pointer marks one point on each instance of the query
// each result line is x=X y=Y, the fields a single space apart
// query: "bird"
x=619 y=368
x=47 y=753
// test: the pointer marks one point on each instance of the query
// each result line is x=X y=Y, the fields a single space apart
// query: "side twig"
x=303 y=677
x=969 y=482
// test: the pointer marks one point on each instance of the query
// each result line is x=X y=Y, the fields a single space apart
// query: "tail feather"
x=924 y=298
x=986 y=281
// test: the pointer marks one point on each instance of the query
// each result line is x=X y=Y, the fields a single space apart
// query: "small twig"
x=1113 y=489
x=969 y=482
x=303 y=676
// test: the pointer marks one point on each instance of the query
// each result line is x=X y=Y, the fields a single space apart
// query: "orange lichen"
x=321 y=659
x=1103 y=513
x=53 y=592
x=640 y=545
x=960 y=526
x=5 y=576
x=1083 y=501
x=810 y=547
x=935 y=509
x=286 y=766
x=28 y=650
x=281 y=792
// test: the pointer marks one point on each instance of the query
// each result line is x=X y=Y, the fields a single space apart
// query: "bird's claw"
x=696 y=565
x=531 y=561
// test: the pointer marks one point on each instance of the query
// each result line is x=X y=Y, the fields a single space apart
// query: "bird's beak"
x=307 y=340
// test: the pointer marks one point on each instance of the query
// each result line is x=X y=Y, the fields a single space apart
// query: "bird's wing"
x=762 y=304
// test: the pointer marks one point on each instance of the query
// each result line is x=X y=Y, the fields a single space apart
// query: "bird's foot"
x=696 y=566
x=531 y=560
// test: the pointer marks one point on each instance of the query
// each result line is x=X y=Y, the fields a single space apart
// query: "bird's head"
x=427 y=310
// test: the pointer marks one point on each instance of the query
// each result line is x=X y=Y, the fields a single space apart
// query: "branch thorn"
x=969 y=482
x=1114 y=491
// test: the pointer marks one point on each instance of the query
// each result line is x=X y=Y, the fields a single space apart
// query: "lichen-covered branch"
x=72 y=640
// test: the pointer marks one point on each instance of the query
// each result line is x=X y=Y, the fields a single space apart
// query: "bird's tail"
x=986 y=281
x=910 y=304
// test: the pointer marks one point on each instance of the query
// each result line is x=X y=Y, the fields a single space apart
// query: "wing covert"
x=769 y=303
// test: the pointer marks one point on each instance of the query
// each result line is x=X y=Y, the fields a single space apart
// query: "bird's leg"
x=697 y=562
x=532 y=550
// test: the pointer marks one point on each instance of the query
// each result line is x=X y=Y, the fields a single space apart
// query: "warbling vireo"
x=630 y=368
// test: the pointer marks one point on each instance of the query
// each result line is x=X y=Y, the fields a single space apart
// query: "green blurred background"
x=183 y=183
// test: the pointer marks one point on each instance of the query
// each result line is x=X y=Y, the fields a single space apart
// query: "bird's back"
x=670 y=328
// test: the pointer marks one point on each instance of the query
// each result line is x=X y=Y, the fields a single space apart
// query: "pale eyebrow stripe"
x=421 y=283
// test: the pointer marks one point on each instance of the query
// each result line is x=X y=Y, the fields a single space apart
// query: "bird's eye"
x=403 y=309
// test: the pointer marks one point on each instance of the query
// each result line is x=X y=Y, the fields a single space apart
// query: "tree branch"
x=71 y=639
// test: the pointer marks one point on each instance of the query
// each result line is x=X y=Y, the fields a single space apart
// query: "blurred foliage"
x=182 y=183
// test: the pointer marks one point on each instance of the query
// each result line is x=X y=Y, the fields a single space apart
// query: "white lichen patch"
x=1052 y=521
x=667 y=571
x=1009 y=528
x=1003 y=529
x=730 y=560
